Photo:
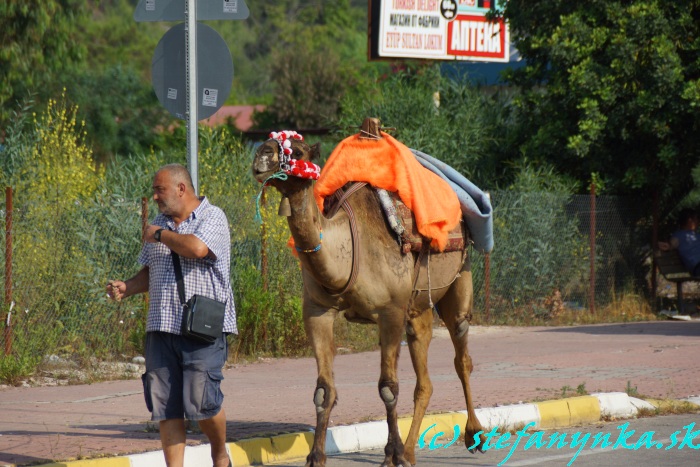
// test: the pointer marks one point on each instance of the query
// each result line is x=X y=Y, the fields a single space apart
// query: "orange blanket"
x=387 y=163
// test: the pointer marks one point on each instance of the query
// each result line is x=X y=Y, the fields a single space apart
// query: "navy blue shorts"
x=183 y=377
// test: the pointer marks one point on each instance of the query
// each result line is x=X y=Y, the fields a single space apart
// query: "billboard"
x=436 y=29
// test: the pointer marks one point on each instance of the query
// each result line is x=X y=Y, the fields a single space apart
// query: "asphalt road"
x=669 y=448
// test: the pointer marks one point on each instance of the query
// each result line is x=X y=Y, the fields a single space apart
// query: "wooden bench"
x=672 y=268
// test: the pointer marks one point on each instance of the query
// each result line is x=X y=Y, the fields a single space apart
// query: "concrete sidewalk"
x=270 y=402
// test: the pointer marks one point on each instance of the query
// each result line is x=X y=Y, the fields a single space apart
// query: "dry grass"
x=668 y=407
x=354 y=337
x=622 y=308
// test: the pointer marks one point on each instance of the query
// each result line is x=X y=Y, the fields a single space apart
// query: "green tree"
x=452 y=121
x=308 y=54
x=121 y=112
x=612 y=87
x=39 y=39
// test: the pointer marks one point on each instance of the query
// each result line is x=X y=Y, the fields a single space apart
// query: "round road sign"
x=214 y=71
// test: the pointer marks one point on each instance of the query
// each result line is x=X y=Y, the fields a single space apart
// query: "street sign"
x=214 y=71
x=175 y=10
x=185 y=89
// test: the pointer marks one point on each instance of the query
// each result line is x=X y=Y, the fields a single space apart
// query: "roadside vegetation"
x=81 y=134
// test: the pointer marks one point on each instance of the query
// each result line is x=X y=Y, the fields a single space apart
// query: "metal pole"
x=654 y=245
x=192 y=106
x=487 y=286
x=8 y=269
x=591 y=285
x=487 y=280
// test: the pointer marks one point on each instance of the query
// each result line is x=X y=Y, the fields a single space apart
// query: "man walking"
x=183 y=376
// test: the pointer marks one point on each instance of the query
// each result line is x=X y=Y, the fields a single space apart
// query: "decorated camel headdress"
x=290 y=166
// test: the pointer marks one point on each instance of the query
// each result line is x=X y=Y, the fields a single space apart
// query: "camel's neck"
x=306 y=221
x=306 y=224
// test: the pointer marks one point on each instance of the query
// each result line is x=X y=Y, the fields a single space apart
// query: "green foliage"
x=113 y=39
x=14 y=369
x=300 y=78
x=290 y=28
x=540 y=249
x=120 y=110
x=451 y=121
x=610 y=87
x=270 y=321
x=58 y=283
x=39 y=41
x=60 y=167
x=18 y=142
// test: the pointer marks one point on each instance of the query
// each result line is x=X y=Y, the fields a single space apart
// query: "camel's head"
x=286 y=152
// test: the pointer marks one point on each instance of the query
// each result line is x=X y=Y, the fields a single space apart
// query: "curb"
x=372 y=435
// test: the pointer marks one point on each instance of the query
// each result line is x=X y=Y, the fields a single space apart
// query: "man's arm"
x=185 y=245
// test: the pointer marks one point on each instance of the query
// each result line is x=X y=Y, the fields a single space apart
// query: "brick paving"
x=511 y=365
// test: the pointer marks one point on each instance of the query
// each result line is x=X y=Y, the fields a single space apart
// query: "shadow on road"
x=665 y=328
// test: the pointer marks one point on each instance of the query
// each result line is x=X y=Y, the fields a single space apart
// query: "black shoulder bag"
x=202 y=317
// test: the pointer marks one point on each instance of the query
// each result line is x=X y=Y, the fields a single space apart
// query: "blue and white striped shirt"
x=206 y=276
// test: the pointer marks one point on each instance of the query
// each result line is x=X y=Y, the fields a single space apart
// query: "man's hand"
x=667 y=246
x=116 y=290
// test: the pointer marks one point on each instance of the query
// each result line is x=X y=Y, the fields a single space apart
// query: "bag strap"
x=178 y=276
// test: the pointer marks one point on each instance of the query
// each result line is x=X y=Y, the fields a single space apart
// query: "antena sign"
x=437 y=29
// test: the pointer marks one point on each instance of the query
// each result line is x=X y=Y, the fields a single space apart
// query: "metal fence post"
x=144 y=217
x=591 y=292
x=8 y=270
x=263 y=247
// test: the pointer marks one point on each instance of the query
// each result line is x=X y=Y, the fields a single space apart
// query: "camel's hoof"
x=482 y=441
x=401 y=463
x=313 y=460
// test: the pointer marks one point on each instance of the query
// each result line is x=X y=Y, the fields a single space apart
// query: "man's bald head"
x=178 y=174
x=173 y=191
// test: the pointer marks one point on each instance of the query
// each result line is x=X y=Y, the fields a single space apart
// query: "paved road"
x=659 y=429
x=658 y=359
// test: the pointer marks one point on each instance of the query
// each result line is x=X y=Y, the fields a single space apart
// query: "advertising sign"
x=437 y=29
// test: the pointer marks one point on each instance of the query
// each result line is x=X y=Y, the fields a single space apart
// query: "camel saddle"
x=411 y=240
x=403 y=223
x=400 y=219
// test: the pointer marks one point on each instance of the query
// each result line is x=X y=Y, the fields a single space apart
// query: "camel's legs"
x=419 y=332
x=319 y=330
x=391 y=328
x=455 y=309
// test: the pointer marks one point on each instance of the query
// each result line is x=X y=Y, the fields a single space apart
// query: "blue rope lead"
x=280 y=176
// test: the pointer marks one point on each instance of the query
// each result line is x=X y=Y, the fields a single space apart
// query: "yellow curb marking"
x=105 y=462
x=292 y=446
x=251 y=451
x=568 y=412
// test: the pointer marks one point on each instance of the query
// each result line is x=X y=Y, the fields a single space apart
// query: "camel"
x=379 y=286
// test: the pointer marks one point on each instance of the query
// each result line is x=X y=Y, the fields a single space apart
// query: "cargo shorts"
x=183 y=377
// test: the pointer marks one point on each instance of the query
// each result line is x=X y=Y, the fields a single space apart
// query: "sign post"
x=191 y=79
x=191 y=67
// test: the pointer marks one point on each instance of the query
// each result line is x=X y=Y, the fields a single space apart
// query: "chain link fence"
x=542 y=255
x=60 y=262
